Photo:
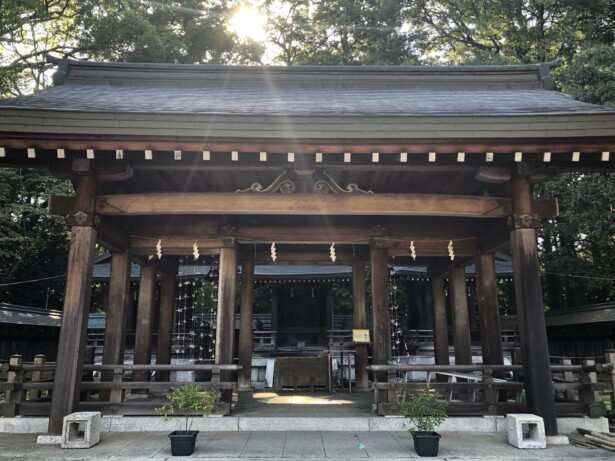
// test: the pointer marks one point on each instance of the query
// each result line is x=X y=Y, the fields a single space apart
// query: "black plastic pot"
x=182 y=442
x=426 y=443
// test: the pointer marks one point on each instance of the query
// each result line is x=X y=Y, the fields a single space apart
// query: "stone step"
x=484 y=424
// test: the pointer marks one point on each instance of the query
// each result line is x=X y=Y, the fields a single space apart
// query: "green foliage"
x=423 y=409
x=33 y=244
x=186 y=31
x=514 y=31
x=187 y=401
x=590 y=77
x=348 y=32
x=578 y=247
x=29 y=29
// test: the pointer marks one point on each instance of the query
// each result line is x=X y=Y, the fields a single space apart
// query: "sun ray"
x=248 y=24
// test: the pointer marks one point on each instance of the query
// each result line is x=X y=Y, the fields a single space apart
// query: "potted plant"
x=425 y=413
x=187 y=401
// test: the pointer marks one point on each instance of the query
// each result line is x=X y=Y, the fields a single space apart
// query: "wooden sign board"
x=360 y=336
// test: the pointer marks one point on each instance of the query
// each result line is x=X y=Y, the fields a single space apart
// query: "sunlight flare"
x=248 y=24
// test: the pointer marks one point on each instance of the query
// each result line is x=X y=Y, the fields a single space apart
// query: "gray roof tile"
x=300 y=102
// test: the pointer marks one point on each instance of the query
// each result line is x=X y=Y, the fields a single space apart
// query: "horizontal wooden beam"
x=298 y=146
x=425 y=247
x=546 y=207
x=111 y=172
x=303 y=204
x=146 y=246
x=61 y=205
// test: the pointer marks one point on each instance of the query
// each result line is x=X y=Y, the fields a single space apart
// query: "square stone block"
x=526 y=431
x=81 y=429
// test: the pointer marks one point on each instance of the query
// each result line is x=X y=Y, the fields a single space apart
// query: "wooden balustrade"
x=125 y=397
x=479 y=390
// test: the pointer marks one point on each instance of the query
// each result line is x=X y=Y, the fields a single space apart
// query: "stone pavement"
x=295 y=446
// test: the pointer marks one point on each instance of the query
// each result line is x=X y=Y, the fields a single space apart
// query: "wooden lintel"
x=304 y=234
x=304 y=204
x=546 y=207
x=310 y=258
x=427 y=247
x=207 y=227
x=174 y=246
x=61 y=205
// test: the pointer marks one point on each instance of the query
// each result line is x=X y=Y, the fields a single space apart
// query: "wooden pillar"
x=225 y=330
x=117 y=314
x=381 y=342
x=359 y=322
x=245 y=326
x=165 y=325
x=275 y=294
x=380 y=307
x=145 y=320
x=530 y=308
x=327 y=291
x=440 y=324
x=73 y=332
x=461 y=318
x=488 y=309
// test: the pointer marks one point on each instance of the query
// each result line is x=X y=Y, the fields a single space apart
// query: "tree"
x=33 y=244
x=578 y=248
x=339 y=32
x=185 y=31
x=513 y=31
x=590 y=77
x=29 y=29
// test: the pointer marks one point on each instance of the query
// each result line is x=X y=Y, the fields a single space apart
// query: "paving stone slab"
x=264 y=445
x=342 y=444
x=303 y=445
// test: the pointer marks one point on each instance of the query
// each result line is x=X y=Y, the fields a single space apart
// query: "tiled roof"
x=22 y=315
x=596 y=313
x=301 y=102
x=328 y=102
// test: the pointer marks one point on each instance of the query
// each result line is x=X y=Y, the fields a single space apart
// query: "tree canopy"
x=332 y=32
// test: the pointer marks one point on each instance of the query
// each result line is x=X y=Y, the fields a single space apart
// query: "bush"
x=187 y=401
x=423 y=409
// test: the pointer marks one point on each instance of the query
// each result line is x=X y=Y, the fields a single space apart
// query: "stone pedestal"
x=81 y=429
x=526 y=431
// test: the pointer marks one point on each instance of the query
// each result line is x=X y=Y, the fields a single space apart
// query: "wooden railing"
x=25 y=386
x=482 y=389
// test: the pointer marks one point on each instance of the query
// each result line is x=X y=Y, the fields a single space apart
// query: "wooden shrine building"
x=304 y=165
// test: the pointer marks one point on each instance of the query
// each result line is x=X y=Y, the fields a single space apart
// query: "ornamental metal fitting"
x=522 y=221
x=380 y=230
x=80 y=218
x=228 y=241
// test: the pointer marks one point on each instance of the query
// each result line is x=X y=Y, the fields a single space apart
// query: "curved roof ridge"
x=518 y=76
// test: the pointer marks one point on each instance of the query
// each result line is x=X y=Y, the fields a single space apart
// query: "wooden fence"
x=490 y=389
x=29 y=386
